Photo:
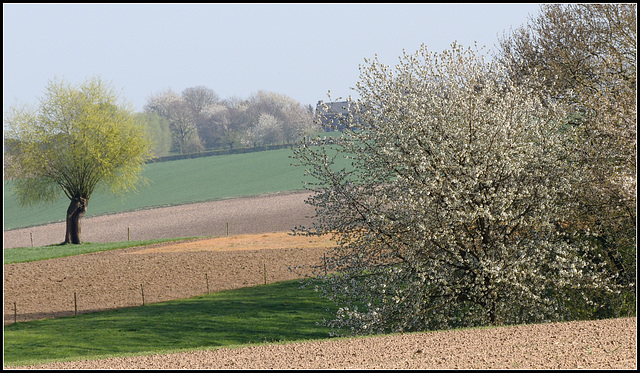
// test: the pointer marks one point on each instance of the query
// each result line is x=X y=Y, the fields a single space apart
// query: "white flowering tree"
x=588 y=54
x=286 y=116
x=448 y=214
x=268 y=130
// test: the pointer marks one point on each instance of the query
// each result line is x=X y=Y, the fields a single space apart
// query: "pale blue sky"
x=300 y=50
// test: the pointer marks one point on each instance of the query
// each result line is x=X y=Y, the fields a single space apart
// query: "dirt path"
x=259 y=238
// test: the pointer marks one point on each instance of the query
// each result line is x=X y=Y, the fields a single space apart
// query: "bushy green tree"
x=78 y=139
x=449 y=214
x=160 y=132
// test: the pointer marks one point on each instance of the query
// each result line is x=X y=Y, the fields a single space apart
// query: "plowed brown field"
x=259 y=240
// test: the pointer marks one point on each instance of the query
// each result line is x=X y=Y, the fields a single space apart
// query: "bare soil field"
x=259 y=239
x=117 y=278
x=267 y=213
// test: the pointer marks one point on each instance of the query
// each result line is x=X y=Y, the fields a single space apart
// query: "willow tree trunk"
x=75 y=212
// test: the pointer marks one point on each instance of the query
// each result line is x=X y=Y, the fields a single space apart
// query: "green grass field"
x=276 y=312
x=175 y=183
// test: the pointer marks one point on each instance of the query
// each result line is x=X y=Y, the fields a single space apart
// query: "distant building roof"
x=329 y=117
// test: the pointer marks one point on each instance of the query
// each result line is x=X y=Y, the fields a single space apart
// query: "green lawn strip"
x=31 y=254
x=268 y=313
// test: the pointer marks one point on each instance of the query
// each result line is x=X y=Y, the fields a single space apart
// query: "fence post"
x=325 y=264
x=75 y=304
x=15 y=313
x=207 y=277
x=142 y=290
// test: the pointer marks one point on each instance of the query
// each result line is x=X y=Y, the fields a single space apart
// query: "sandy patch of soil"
x=276 y=240
x=113 y=279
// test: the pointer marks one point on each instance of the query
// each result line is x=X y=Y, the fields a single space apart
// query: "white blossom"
x=447 y=217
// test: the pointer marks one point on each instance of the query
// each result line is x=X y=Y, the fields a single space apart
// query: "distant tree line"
x=198 y=120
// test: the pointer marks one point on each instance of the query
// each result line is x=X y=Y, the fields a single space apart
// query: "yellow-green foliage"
x=77 y=138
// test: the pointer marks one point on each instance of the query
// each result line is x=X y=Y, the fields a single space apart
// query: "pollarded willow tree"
x=79 y=139
x=447 y=216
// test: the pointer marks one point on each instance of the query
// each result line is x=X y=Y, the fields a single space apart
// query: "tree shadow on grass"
x=271 y=313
